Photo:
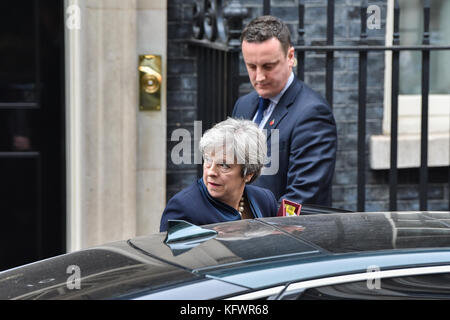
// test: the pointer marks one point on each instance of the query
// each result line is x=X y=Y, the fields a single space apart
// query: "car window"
x=432 y=286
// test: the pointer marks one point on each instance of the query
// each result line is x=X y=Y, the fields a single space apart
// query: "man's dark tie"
x=262 y=106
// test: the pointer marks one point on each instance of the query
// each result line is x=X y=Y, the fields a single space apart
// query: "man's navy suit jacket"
x=307 y=144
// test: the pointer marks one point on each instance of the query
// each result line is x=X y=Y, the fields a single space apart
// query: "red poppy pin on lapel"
x=272 y=122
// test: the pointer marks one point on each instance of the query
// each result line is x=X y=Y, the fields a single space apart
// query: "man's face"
x=267 y=66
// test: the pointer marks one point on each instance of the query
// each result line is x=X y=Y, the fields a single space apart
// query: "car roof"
x=370 y=231
x=310 y=235
x=254 y=253
x=111 y=270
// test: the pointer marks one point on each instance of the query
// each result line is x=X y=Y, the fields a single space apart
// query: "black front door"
x=32 y=127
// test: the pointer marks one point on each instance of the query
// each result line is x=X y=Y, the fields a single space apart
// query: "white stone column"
x=103 y=141
x=151 y=162
x=116 y=168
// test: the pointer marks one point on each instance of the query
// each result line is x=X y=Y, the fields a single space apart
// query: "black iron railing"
x=216 y=37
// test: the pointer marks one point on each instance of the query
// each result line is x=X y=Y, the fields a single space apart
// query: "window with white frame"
x=409 y=100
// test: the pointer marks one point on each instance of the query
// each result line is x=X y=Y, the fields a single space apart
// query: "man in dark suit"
x=300 y=127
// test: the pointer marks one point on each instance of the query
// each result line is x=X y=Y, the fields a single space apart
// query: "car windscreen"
x=236 y=242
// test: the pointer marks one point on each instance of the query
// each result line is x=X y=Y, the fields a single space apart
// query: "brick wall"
x=182 y=98
x=181 y=89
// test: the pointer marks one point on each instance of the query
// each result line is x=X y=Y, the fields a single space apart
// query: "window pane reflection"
x=16 y=130
x=17 y=39
x=411 y=33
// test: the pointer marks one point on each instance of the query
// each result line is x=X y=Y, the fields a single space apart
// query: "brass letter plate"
x=150 y=79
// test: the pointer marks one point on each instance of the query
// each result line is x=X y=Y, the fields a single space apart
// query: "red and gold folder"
x=289 y=208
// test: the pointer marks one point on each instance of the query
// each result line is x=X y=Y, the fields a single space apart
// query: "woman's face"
x=223 y=180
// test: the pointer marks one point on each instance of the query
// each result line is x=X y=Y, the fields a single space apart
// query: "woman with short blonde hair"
x=234 y=152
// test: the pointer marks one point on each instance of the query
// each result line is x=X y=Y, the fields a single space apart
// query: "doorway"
x=32 y=131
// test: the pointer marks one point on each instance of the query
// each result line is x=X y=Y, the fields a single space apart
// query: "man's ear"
x=291 y=56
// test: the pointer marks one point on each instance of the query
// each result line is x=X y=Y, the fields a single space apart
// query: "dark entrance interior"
x=32 y=125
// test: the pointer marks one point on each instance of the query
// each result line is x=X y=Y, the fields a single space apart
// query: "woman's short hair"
x=241 y=141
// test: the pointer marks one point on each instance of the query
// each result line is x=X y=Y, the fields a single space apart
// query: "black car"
x=379 y=255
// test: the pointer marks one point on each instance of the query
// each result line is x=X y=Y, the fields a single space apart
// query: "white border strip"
x=73 y=131
x=258 y=294
x=343 y=279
